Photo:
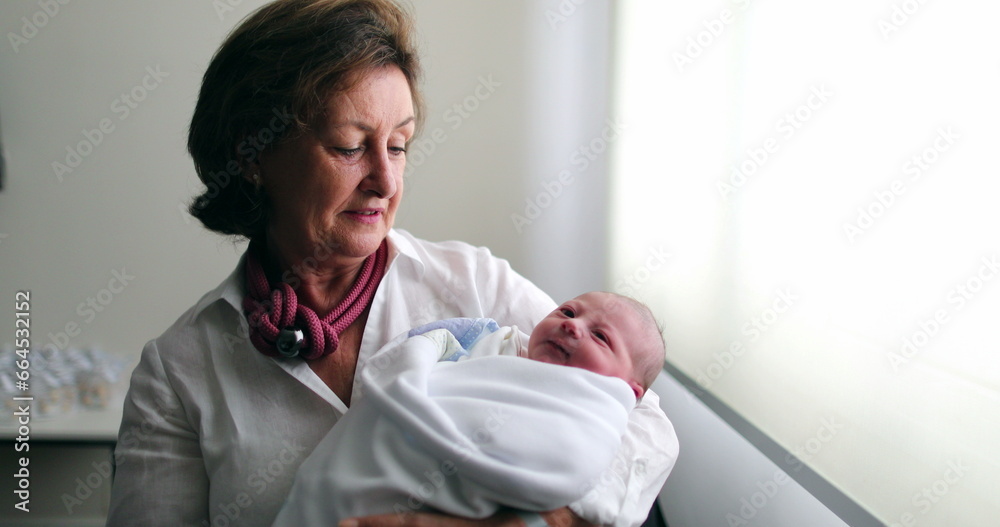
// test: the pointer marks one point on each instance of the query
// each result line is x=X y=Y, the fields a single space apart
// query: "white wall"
x=512 y=175
x=120 y=209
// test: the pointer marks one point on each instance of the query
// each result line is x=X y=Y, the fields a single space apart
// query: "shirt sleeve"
x=160 y=475
x=508 y=297
x=624 y=493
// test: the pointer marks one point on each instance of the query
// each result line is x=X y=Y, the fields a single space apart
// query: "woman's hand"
x=558 y=518
x=565 y=518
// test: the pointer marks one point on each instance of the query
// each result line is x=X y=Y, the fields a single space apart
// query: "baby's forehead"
x=611 y=303
x=614 y=309
x=602 y=299
x=623 y=312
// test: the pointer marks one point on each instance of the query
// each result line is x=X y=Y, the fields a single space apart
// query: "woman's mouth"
x=365 y=215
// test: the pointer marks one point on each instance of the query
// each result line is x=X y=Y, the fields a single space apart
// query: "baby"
x=604 y=333
x=451 y=420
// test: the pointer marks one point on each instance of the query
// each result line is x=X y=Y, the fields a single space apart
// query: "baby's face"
x=594 y=331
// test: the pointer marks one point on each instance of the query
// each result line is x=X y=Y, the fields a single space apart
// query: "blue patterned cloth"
x=467 y=331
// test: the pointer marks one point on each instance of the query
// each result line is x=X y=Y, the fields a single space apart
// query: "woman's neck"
x=321 y=279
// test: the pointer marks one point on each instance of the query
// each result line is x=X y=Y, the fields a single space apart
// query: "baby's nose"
x=572 y=328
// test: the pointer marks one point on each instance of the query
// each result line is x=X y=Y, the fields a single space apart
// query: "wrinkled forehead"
x=368 y=96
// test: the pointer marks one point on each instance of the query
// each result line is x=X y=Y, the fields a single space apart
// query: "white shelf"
x=80 y=425
x=77 y=425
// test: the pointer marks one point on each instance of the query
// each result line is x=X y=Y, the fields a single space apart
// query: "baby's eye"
x=601 y=336
x=567 y=312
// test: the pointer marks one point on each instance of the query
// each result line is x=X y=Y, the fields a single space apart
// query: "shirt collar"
x=400 y=244
x=232 y=289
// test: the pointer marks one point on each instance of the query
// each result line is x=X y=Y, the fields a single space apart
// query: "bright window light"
x=823 y=178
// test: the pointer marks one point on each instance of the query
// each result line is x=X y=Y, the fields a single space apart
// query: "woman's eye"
x=397 y=150
x=349 y=152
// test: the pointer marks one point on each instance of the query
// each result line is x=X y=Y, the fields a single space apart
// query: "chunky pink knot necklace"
x=281 y=327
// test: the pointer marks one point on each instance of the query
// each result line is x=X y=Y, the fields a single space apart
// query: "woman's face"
x=335 y=188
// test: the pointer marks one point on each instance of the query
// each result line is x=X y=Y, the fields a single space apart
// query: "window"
x=806 y=194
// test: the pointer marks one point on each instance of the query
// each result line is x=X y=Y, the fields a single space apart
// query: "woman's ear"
x=250 y=171
x=247 y=161
x=251 y=174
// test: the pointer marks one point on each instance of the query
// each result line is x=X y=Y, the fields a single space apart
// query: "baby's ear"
x=637 y=389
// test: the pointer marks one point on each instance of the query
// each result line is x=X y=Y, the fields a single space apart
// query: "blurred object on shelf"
x=60 y=382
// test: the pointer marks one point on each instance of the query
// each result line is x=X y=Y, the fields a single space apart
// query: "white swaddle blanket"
x=461 y=437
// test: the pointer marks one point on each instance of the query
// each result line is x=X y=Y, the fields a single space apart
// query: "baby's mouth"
x=562 y=351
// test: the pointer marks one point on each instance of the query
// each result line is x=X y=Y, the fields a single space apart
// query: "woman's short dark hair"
x=271 y=79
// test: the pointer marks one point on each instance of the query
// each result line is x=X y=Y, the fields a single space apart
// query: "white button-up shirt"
x=213 y=431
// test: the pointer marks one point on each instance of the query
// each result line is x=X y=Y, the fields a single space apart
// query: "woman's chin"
x=357 y=243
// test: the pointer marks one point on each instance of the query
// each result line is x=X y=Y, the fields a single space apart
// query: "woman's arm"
x=160 y=476
x=623 y=495
x=508 y=297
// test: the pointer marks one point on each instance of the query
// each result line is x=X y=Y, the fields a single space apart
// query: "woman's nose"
x=381 y=178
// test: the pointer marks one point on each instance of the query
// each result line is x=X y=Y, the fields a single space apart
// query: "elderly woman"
x=300 y=135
